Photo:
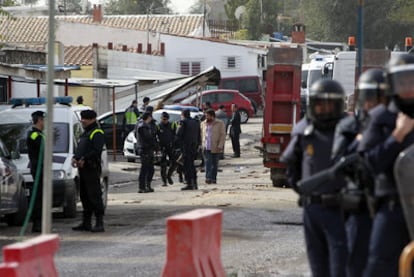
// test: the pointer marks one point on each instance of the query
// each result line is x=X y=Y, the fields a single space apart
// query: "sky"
x=181 y=6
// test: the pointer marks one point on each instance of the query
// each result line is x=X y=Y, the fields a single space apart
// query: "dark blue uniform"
x=166 y=137
x=358 y=219
x=90 y=147
x=389 y=231
x=188 y=134
x=147 y=141
x=309 y=152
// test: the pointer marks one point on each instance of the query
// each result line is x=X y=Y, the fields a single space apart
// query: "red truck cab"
x=282 y=107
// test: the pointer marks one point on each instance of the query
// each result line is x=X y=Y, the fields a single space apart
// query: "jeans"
x=211 y=163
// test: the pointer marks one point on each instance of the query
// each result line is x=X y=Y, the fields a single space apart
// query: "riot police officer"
x=371 y=92
x=309 y=152
x=147 y=142
x=88 y=161
x=391 y=129
x=35 y=144
x=166 y=136
x=188 y=134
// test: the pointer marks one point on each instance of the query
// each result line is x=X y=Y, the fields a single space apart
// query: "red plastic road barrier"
x=30 y=258
x=193 y=244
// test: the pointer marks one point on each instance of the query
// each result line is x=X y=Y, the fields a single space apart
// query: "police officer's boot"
x=190 y=186
x=142 y=188
x=99 y=225
x=194 y=184
x=86 y=224
x=149 y=188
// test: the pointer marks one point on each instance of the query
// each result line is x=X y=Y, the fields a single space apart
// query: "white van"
x=15 y=123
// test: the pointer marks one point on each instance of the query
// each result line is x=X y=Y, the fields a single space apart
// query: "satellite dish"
x=239 y=12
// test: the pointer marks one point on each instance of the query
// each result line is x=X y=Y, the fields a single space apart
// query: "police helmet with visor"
x=400 y=75
x=371 y=89
x=325 y=103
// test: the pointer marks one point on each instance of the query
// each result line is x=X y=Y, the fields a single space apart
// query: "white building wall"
x=211 y=53
x=177 y=49
x=85 y=34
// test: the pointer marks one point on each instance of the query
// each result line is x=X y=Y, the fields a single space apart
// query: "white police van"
x=15 y=123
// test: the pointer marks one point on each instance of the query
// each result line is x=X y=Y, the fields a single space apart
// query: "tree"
x=335 y=20
x=137 y=7
x=231 y=6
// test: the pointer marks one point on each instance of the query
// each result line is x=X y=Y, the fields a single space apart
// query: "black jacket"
x=34 y=140
x=90 y=145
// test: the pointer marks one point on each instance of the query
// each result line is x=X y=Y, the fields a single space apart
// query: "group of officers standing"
x=179 y=143
x=354 y=223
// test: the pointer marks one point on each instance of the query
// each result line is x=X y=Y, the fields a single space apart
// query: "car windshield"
x=14 y=137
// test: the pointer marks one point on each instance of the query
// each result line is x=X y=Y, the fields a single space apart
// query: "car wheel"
x=17 y=219
x=244 y=116
x=104 y=189
x=69 y=206
x=131 y=160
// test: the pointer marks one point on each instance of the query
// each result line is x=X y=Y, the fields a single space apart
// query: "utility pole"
x=204 y=18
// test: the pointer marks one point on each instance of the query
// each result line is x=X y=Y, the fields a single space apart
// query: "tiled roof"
x=35 y=29
x=78 y=55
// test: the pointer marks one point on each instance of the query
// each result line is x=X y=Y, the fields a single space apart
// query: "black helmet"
x=400 y=72
x=325 y=105
x=371 y=87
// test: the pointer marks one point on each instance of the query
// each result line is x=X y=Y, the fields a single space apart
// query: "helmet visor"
x=402 y=81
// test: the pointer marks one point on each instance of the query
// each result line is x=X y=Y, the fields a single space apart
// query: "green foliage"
x=385 y=23
x=231 y=6
x=137 y=7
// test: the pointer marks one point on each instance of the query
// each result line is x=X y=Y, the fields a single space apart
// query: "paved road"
x=261 y=233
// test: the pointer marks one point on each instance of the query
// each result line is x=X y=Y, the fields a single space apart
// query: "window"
x=224 y=97
x=231 y=62
x=248 y=85
x=190 y=68
x=230 y=84
x=14 y=137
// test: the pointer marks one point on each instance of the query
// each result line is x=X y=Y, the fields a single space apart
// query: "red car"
x=224 y=97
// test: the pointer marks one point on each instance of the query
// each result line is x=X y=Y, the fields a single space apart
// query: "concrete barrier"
x=194 y=244
x=30 y=258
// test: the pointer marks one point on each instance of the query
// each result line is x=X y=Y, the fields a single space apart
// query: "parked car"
x=105 y=120
x=223 y=97
x=249 y=86
x=13 y=200
x=131 y=140
x=14 y=126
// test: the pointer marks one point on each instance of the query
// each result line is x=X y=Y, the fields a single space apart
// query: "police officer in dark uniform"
x=147 y=142
x=391 y=129
x=35 y=145
x=166 y=131
x=371 y=92
x=235 y=130
x=88 y=161
x=309 y=152
x=188 y=134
